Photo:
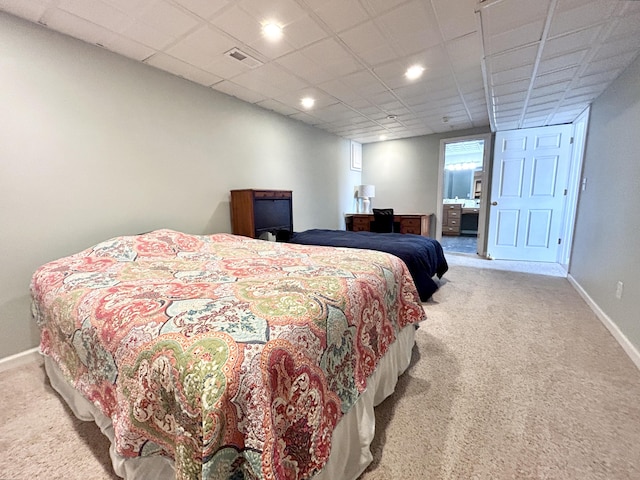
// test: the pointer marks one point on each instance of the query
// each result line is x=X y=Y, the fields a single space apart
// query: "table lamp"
x=366 y=193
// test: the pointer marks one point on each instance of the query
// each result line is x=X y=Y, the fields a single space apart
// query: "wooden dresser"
x=254 y=212
x=417 y=224
x=451 y=217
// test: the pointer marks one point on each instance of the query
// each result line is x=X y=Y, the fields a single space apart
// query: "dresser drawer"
x=415 y=230
x=452 y=206
x=272 y=194
x=451 y=230
x=454 y=214
x=410 y=222
x=361 y=224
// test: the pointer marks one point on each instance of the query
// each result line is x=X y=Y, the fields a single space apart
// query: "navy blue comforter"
x=423 y=256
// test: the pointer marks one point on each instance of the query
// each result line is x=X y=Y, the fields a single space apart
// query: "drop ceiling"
x=506 y=64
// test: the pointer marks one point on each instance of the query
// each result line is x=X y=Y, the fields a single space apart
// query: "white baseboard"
x=620 y=337
x=19 y=359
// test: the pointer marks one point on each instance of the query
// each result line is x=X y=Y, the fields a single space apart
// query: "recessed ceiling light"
x=392 y=117
x=307 y=102
x=272 y=31
x=413 y=72
x=383 y=137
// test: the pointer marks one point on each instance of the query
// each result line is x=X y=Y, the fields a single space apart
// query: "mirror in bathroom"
x=462 y=184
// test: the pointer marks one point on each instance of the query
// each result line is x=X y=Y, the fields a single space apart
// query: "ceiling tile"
x=97 y=12
x=500 y=17
x=340 y=15
x=376 y=7
x=548 y=93
x=292 y=98
x=364 y=37
x=276 y=106
x=513 y=87
x=332 y=56
x=240 y=92
x=302 y=66
x=513 y=59
x=31 y=10
x=203 y=8
x=128 y=48
x=411 y=27
x=571 y=42
x=333 y=112
x=130 y=7
x=147 y=35
x=464 y=52
x=520 y=36
x=511 y=75
x=562 y=62
x=305 y=118
x=545 y=99
x=273 y=74
x=77 y=27
x=182 y=69
x=352 y=54
x=303 y=32
x=201 y=47
x=168 y=18
x=239 y=24
x=617 y=63
x=271 y=50
x=339 y=90
x=456 y=19
x=556 y=76
x=255 y=84
x=282 y=12
x=601 y=78
x=616 y=47
x=571 y=16
x=628 y=24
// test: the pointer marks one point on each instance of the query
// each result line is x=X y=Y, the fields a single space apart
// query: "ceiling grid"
x=503 y=63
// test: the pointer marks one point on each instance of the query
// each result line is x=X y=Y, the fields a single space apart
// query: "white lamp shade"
x=368 y=191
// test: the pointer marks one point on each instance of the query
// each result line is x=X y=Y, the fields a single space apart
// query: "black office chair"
x=382 y=220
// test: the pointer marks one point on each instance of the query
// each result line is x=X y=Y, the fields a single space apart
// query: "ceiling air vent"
x=244 y=58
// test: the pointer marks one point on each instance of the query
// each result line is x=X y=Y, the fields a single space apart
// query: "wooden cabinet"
x=451 y=217
x=254 y=212
x=417 y=224
x=361 y=223
x=469 y=221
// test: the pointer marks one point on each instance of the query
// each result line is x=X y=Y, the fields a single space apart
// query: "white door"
x=528 y=188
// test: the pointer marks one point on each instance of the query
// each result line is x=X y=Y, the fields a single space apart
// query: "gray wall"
x=606 y=246
x=405 y=172
x=93 y=145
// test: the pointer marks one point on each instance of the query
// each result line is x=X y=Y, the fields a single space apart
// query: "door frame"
x=580 y=128
x=486 y=180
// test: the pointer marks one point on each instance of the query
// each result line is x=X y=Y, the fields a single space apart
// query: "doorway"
x=461 y=205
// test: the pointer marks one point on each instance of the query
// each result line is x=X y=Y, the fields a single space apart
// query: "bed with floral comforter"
x=234 y=357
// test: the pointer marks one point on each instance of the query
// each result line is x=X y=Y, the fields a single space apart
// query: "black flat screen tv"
x=271 y=215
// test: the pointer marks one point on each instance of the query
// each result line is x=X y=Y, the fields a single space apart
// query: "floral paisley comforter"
x=235 y=357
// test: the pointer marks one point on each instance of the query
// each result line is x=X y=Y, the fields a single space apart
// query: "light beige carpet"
x=512 y=377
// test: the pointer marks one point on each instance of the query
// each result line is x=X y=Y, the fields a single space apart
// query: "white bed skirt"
x=351 y=439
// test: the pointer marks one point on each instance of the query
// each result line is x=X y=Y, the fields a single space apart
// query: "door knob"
x=494 y=203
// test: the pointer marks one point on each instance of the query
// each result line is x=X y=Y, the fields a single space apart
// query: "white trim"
x=624 y=342
x=19 y=359
x=484 y=197
x=580 y=128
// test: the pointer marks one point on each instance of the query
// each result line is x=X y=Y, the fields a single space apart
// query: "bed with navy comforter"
x=423 y=256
